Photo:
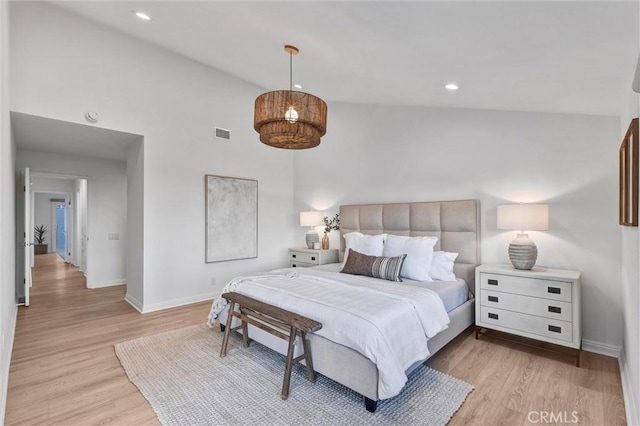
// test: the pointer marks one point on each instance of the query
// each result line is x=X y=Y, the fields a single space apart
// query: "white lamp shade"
x=311 y=218
x=523 y=217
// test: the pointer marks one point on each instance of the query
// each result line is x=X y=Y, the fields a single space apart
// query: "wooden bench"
x=277 y=321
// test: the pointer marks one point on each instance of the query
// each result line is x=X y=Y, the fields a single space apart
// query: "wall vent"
x=223 y=133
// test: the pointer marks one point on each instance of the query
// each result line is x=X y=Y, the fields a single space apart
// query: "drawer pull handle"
x=294 y=265
x=293 y=255
x=555 y=309
x=554 y=290
x=492 y=282
x=555 y=329
x=493 y=298
x=313 y=258
x=493 y=316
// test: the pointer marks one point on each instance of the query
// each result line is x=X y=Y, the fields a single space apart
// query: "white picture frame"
x=231 y=218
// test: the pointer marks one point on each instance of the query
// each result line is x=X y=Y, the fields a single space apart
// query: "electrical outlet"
x=114 y=236
x=213 y=282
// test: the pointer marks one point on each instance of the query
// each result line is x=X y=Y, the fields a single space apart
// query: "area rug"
x=186 y=382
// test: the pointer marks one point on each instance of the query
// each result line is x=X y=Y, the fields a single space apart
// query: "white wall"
x=630 y=262
x=135 y=225
x=57 y=187
x=395 y=154
x=107 y=208
x=80 y=213
x=8 y=301
x=175 y=103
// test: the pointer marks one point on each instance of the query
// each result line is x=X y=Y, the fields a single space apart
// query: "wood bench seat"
x=277 y=321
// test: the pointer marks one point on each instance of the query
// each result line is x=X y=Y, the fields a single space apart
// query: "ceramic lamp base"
x=523 y=252
x=312 y=237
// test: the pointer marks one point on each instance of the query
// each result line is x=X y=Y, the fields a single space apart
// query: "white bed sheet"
x=355 y=312
x=452 y=293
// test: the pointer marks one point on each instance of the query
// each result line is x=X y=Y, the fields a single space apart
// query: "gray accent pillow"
x=387 y=268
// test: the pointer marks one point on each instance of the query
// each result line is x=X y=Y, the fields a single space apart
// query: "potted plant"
x=39 y=235
x=329 y=225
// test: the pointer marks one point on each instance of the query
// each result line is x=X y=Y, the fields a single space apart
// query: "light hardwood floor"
x=516 y=384
x=64 y=369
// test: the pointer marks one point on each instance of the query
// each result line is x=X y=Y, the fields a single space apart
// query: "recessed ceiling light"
x=142 y=15
x=451 y=86
x=297 y=86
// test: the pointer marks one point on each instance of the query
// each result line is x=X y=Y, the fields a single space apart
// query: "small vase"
x=325 y=242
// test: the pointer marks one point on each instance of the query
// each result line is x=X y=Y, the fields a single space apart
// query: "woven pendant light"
x=290 y=119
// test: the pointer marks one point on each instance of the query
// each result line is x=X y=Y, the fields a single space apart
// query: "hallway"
x=63 y=366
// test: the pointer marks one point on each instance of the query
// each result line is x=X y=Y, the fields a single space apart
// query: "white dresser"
x=303 y=257
x=541 y=304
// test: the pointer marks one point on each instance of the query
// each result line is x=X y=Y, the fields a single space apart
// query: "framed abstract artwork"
x=231 y=218
x=628 y=198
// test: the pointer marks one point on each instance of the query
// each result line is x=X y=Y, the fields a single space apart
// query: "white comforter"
x=385 y=321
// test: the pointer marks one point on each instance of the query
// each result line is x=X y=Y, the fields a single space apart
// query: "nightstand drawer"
x=302 y=257
x=548 y=289
x=519 y=322
x=554 y=309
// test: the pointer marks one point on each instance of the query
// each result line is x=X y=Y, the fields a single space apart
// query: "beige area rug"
x=186 y=382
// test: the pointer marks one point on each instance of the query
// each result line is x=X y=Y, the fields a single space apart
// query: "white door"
x=27 y=235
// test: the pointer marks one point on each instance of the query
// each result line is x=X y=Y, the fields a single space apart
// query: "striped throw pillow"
x=386 y=268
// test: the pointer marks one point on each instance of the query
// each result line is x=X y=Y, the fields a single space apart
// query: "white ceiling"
x=575 y=56
x=47 y=135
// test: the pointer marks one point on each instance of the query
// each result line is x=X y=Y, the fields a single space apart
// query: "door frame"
x=28 y=234
x=71 y=216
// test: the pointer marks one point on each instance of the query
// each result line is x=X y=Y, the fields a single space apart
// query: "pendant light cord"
x=290 y=71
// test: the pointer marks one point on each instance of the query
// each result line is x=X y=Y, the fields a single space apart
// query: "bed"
x=456 y=224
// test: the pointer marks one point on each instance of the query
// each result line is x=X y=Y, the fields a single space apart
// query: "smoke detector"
x=92 y=116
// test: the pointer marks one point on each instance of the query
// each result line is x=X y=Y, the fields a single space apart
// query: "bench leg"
x=245 y=331
x=225 y=339
x=307 y=357
x=287 y=369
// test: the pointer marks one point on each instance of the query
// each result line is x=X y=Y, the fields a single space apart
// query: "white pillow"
x=366 y=244
x=442 y=266
x=419 y=251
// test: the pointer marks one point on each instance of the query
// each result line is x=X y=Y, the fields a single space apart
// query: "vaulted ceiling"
x=574 y=56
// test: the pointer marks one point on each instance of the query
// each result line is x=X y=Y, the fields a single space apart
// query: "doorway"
x=59 y=229
x=106 y=169
x=53 y=201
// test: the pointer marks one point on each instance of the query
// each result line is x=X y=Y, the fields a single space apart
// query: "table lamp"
x=523 y=252
x=311 y=219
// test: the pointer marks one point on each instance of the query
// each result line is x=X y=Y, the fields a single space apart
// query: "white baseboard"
x=152 y=307
x=109 y=283
x=7 y=366
x=137 y=305
x=601 y=348
x=633 y=417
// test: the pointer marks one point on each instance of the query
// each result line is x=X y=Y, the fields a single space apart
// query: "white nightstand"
x=541 y=304
x=303 y=257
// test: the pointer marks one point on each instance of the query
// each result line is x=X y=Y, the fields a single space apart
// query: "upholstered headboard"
x=455 y=223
